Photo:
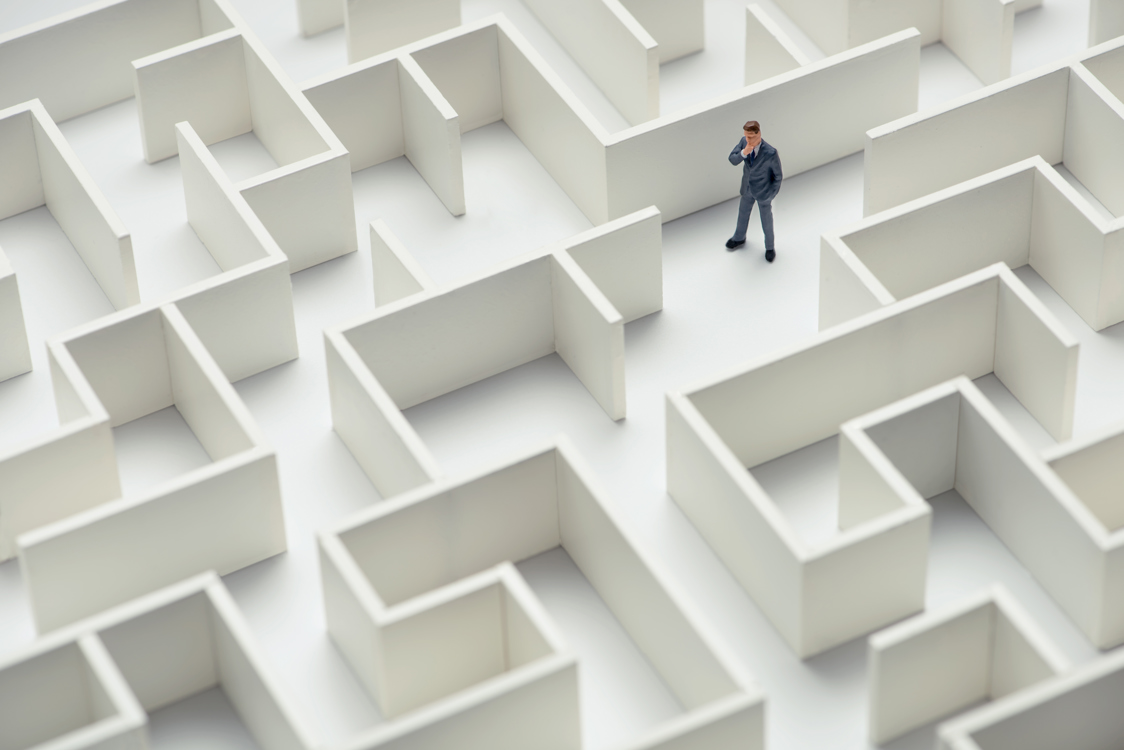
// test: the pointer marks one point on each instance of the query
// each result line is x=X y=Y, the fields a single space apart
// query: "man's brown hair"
x=752 y=127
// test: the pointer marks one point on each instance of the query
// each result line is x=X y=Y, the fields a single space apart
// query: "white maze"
x=424 y=599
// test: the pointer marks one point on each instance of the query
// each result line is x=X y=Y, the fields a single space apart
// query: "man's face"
x=751 y=139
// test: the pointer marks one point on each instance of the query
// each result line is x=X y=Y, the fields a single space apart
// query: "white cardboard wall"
x=80 y=61
x=676 y=25
x=203 y=82
x=984 y=647
x=959 y=316
x=1036 y=358
x=813 y=115
x=768 y=49
x=376 y=26
x=980 y=33
x=395 y=272
x=1094 y=138
x=512 y=315
x=227 y=84
x=22 y=187
x=811 y=594
x=1106 y=20
x=588 y=334
x=369 y=422
x=981 y=132
x=487 y=326
x=993 y=467
x=868 y=20
x=225 y=515
x=132 y=547
x=624 y=259
x=464 y=65
x=98 y=236
x=432 y=135
x=15 y=356
x=615 y=51
x=233 y=237
x=397 y=552
x=553 y=125
x=1091 y=467
x=1077 y=709
x=45 y=170
x=931 y=241
x=847 y=287
x=825 y=23
x=144 y=655
x=1026 y=212
x=363 y=107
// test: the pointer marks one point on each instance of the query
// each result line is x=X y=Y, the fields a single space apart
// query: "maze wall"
x=373 y=375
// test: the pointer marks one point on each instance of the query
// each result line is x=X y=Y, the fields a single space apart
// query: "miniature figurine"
x=761 y=181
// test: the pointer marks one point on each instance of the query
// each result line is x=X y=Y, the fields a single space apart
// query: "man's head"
x=752 y=132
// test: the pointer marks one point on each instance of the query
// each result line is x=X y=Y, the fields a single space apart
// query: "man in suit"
x=761 y=180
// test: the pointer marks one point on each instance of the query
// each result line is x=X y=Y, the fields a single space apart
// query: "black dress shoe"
x=769 y=255
x=732 y=244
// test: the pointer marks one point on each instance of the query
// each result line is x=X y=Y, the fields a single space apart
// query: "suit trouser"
x=744 y=211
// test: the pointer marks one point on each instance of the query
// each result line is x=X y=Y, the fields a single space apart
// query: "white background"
x=721 y=309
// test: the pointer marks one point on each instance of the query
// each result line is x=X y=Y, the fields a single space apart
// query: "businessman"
x=761 y=180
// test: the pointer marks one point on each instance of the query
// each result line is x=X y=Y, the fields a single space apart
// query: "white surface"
x=15 y=357
x=452 y=336
x=984 y=647
x=768 y=50
x=617 y=53
x=375 y=26
x=872 y=572
x=1106 y=20
x=396 y=274
x=403 y=588
x=149 y=653
x=720 y=309
x=1024 y=213
x=1077 y=710
x=432 y=135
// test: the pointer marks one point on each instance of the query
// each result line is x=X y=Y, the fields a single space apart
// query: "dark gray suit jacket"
x=763 y=179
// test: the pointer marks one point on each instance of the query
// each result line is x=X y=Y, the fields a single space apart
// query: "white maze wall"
x=373 y=375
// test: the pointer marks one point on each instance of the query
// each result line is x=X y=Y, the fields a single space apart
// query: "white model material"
x=982 y=648
x=92 y=685
x=40 y=169
x=15 y=356
x=376 y=26
x=1078 y=118
x=617 y=53
x=64 y=485
x=873 y=571
x=194 y=60
x=79 y=61
x=396 y=273
x=428 y=575
x=224 y=515
x=1106 y=20
x=572 y=298
x=1091 y=466
x=979 y=32
x=486 y=71
x=676 y=25
x=1079 y=710
x=768 y=49
x=1023 y=214
x=602 y=36
x=951 y=437
x=227 y=84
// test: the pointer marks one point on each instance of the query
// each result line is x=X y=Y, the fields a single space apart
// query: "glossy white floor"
x=720 y=309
